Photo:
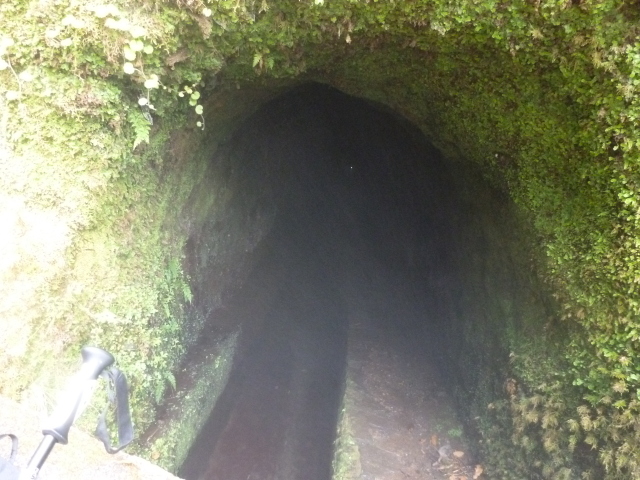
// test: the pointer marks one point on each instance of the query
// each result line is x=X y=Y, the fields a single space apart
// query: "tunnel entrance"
x=354 y=337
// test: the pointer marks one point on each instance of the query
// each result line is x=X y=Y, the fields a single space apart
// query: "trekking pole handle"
x=94 y=361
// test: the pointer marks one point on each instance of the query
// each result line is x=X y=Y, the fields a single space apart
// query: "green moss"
x=346 y=457
x=190 y=407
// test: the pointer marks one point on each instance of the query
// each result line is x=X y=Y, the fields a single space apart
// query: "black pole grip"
x=94 y=361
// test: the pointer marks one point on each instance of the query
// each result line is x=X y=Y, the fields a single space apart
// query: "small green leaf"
x=199 y=109
x=102 y=11
x=195 y=95
x=6 y=42
x=68 y=20
x=137 y=31
x=136 y=45
x=129 y=54
x=151 y=83
x=128 y=68
x=26 y=76
x=147 y=49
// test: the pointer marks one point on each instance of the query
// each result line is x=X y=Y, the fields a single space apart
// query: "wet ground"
x=348 y=323
x=398 y=411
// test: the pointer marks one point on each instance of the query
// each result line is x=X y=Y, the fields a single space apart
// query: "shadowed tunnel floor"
x=358 y=232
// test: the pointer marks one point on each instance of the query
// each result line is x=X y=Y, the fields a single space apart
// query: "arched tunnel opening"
x=160 y=201
x=171 y=191
x=366 y=262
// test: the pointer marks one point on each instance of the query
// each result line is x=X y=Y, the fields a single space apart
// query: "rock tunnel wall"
x=99 y=204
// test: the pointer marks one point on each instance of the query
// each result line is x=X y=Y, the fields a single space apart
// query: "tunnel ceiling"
x=108 y=112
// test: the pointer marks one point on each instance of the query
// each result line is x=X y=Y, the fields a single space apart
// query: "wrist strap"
x=14 y=445
x=118 y=392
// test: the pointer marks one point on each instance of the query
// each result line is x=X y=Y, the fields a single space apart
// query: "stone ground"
x=397 y=405
x=83 y=458
x=399 y=413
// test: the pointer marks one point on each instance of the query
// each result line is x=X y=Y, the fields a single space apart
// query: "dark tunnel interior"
x=361 y=239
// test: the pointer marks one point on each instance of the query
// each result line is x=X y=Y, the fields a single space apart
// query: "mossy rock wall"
x=98 y=204
x=131 y=251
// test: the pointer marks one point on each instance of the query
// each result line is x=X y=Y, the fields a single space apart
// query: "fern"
x=171 y=379
x=140 y=125
x=186 y=291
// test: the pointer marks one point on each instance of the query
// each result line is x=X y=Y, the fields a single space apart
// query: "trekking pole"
x=94 y=361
